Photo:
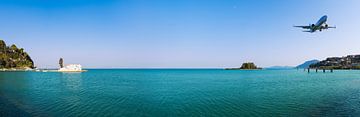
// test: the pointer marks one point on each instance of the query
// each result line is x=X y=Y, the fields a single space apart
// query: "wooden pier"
x=316 y=70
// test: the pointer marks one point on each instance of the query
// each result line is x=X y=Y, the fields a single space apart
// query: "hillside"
x=346 y=62
x=13 y=57
x=306 y=64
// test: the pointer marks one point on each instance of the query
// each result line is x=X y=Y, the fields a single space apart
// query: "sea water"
x=180 y=92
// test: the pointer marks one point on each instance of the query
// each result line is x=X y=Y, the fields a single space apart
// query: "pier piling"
x=317 y=70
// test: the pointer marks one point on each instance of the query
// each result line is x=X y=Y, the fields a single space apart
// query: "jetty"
x=317 y=70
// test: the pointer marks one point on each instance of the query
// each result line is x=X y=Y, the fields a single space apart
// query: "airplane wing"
x=308 y=31
x=331 y=27
x=304 y=27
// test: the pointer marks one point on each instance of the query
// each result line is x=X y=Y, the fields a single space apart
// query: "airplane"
x=320 y=25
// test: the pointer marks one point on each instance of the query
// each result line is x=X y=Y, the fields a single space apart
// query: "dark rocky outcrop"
x=13 y=57
x=248 y=65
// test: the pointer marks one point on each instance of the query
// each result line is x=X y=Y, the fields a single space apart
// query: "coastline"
x=16 y=70
x=55 y=70
x=36 y=70
x=214 y=83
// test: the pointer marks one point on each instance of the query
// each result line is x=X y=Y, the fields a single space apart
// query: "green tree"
x=13 y=47
x=12 y=57
x=2 y=46
x=249 y=65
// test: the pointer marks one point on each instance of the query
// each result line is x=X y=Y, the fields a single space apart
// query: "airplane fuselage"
x=321 y=21
x=319 y=25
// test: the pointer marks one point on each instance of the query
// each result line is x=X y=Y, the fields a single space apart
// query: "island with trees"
x=14 y=58
x=245 y=66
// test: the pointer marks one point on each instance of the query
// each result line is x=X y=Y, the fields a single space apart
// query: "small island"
x=69 y=67
x=245 y=66
x=13 y=58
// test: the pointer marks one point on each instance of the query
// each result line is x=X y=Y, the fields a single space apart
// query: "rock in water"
x=248 y=65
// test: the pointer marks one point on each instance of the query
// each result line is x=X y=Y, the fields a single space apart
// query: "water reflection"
x=13 y=93
x=72 y=81
x=15 y=79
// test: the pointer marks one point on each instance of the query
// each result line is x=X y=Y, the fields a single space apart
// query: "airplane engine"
x=312 y=25
x=326 y=26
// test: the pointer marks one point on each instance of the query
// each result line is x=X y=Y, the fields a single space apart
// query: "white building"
x=71 y=68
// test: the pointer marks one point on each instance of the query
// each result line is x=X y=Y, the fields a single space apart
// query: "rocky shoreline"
x=36 y=70
x=16 y=69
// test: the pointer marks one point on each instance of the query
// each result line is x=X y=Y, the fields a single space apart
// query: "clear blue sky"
x=178 y=33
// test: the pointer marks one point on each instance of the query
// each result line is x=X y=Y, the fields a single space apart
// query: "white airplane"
x=320 y=25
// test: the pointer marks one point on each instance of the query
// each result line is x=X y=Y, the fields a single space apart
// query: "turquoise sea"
x=180 y=92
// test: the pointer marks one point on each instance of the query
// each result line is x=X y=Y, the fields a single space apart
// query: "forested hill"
x=345 y=62
x=14 y=57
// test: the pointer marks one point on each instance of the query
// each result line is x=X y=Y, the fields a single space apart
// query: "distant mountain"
x=280 y=67
x=307 y=63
